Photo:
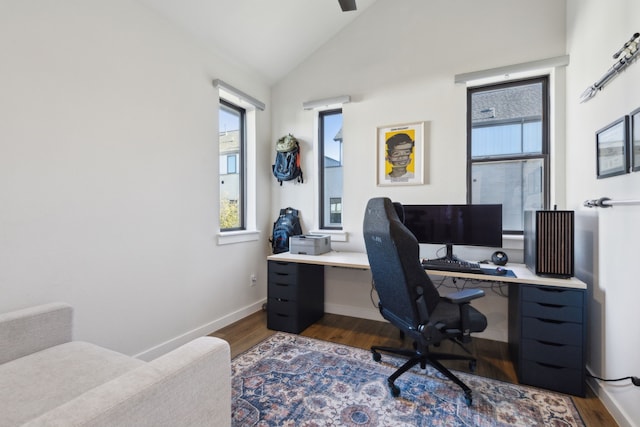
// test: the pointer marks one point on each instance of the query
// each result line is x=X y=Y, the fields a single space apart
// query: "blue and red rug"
x=289 y=380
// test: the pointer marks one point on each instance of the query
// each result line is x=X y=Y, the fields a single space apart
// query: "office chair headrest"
x=399 y=211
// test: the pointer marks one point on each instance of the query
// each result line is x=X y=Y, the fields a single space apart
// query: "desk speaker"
x=549 y=243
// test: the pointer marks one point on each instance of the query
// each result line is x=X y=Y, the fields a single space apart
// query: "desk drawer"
x=549 y=295
x=567 y=356
x=552 y=331
x=282 y=307
x=291 y=279
x=283 y=267
x=289 y=316
x=558 y=378
x=283 y=272
x=566 y=313
x=282 y=316
x=283 y=290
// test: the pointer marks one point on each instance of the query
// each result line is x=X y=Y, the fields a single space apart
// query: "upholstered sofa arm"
x=190 y=386
x=32 y=329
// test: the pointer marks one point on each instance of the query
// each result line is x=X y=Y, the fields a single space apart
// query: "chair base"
x=424 y=358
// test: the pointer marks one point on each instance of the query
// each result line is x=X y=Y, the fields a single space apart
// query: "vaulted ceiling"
x=269 y=36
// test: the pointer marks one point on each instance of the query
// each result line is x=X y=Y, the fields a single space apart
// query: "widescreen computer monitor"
x=467 y=225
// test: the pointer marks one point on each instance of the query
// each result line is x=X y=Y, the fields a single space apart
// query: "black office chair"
x=409 y=300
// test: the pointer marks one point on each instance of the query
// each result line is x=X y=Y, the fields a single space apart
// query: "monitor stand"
x=450 y=257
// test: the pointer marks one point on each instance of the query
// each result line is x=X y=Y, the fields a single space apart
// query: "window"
x=330 y=157
x=232 y=145
x=232 y=162
x=508 y=148
x=335 y=209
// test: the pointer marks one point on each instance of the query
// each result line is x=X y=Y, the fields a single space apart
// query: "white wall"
x=108 y=161
x=108 y=174
x=607 y=238
x=398 y=61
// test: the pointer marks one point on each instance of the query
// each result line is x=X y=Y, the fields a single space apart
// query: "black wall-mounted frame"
x=611 y=149
x=634 y=139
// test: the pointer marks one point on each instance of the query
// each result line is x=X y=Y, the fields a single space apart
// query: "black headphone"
x=499 y=258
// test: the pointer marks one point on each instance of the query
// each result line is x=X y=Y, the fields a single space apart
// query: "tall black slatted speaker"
x=549 y=242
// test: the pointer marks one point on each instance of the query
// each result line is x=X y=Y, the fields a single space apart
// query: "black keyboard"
x=448 y=265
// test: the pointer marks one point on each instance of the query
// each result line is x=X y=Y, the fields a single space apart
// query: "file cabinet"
x=547 y=336
x=295 y=295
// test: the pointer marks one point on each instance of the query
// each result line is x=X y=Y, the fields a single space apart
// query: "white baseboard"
x=348 y=310
x=610 y=403
x=167 y=346
x=344 y=310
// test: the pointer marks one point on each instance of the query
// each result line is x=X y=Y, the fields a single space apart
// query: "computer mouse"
x=501 y=271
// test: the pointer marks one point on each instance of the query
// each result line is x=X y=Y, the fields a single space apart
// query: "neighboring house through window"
x=231 y=147
x=508 y=148
x=331 y=169
x=237 y=153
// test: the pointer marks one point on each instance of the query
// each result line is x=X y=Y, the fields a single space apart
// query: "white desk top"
x=332 y=258
x=359 y=260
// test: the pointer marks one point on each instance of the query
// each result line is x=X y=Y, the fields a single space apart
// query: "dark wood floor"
x=493 y=357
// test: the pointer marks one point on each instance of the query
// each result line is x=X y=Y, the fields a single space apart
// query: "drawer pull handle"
x=555 y=322
x=282 y=300
x=557 y=291
x=548 y=365
x=550 y=305
x=281 y=315
x=282 y=284
x=555 y=344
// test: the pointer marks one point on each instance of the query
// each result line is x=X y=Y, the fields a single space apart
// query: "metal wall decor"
x=624 y=57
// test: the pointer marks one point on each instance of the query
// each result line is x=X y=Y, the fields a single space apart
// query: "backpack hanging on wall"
x=287 y=164
x=287 y=225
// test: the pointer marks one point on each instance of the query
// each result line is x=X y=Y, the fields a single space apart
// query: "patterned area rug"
x=289 y=380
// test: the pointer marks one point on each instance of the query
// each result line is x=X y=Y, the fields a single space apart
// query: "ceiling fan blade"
x=347 y=5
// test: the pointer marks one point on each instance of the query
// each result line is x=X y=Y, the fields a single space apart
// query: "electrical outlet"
x=253 y=280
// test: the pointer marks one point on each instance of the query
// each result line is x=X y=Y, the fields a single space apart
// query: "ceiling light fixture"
x=347 y=5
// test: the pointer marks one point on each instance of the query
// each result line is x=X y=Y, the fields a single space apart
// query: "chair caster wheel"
x=395 y=390
x=376 y=356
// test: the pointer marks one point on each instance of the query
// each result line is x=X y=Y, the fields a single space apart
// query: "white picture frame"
x=400 y=154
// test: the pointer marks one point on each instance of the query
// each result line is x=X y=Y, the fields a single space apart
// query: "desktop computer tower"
x=549 y=243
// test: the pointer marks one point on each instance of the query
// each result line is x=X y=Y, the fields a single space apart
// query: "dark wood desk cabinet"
x=547 y=336
x=295 y=295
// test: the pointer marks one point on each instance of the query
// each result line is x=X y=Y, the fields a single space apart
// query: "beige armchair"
x=47 y=379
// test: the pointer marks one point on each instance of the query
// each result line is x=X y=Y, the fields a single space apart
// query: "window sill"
x=231 y=237
x=336 y=235
x=512 y=241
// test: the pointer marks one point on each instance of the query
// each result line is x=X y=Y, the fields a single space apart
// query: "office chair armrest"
x=464 y=296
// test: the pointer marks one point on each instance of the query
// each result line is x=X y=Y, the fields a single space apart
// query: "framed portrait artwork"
x=400 y=154
x=611 y=149
x=634 y=139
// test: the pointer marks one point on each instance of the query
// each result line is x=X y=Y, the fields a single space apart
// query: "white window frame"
x=251 y=106
x=315 y=107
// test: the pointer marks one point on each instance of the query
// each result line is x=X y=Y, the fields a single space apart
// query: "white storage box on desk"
x=310 y=244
